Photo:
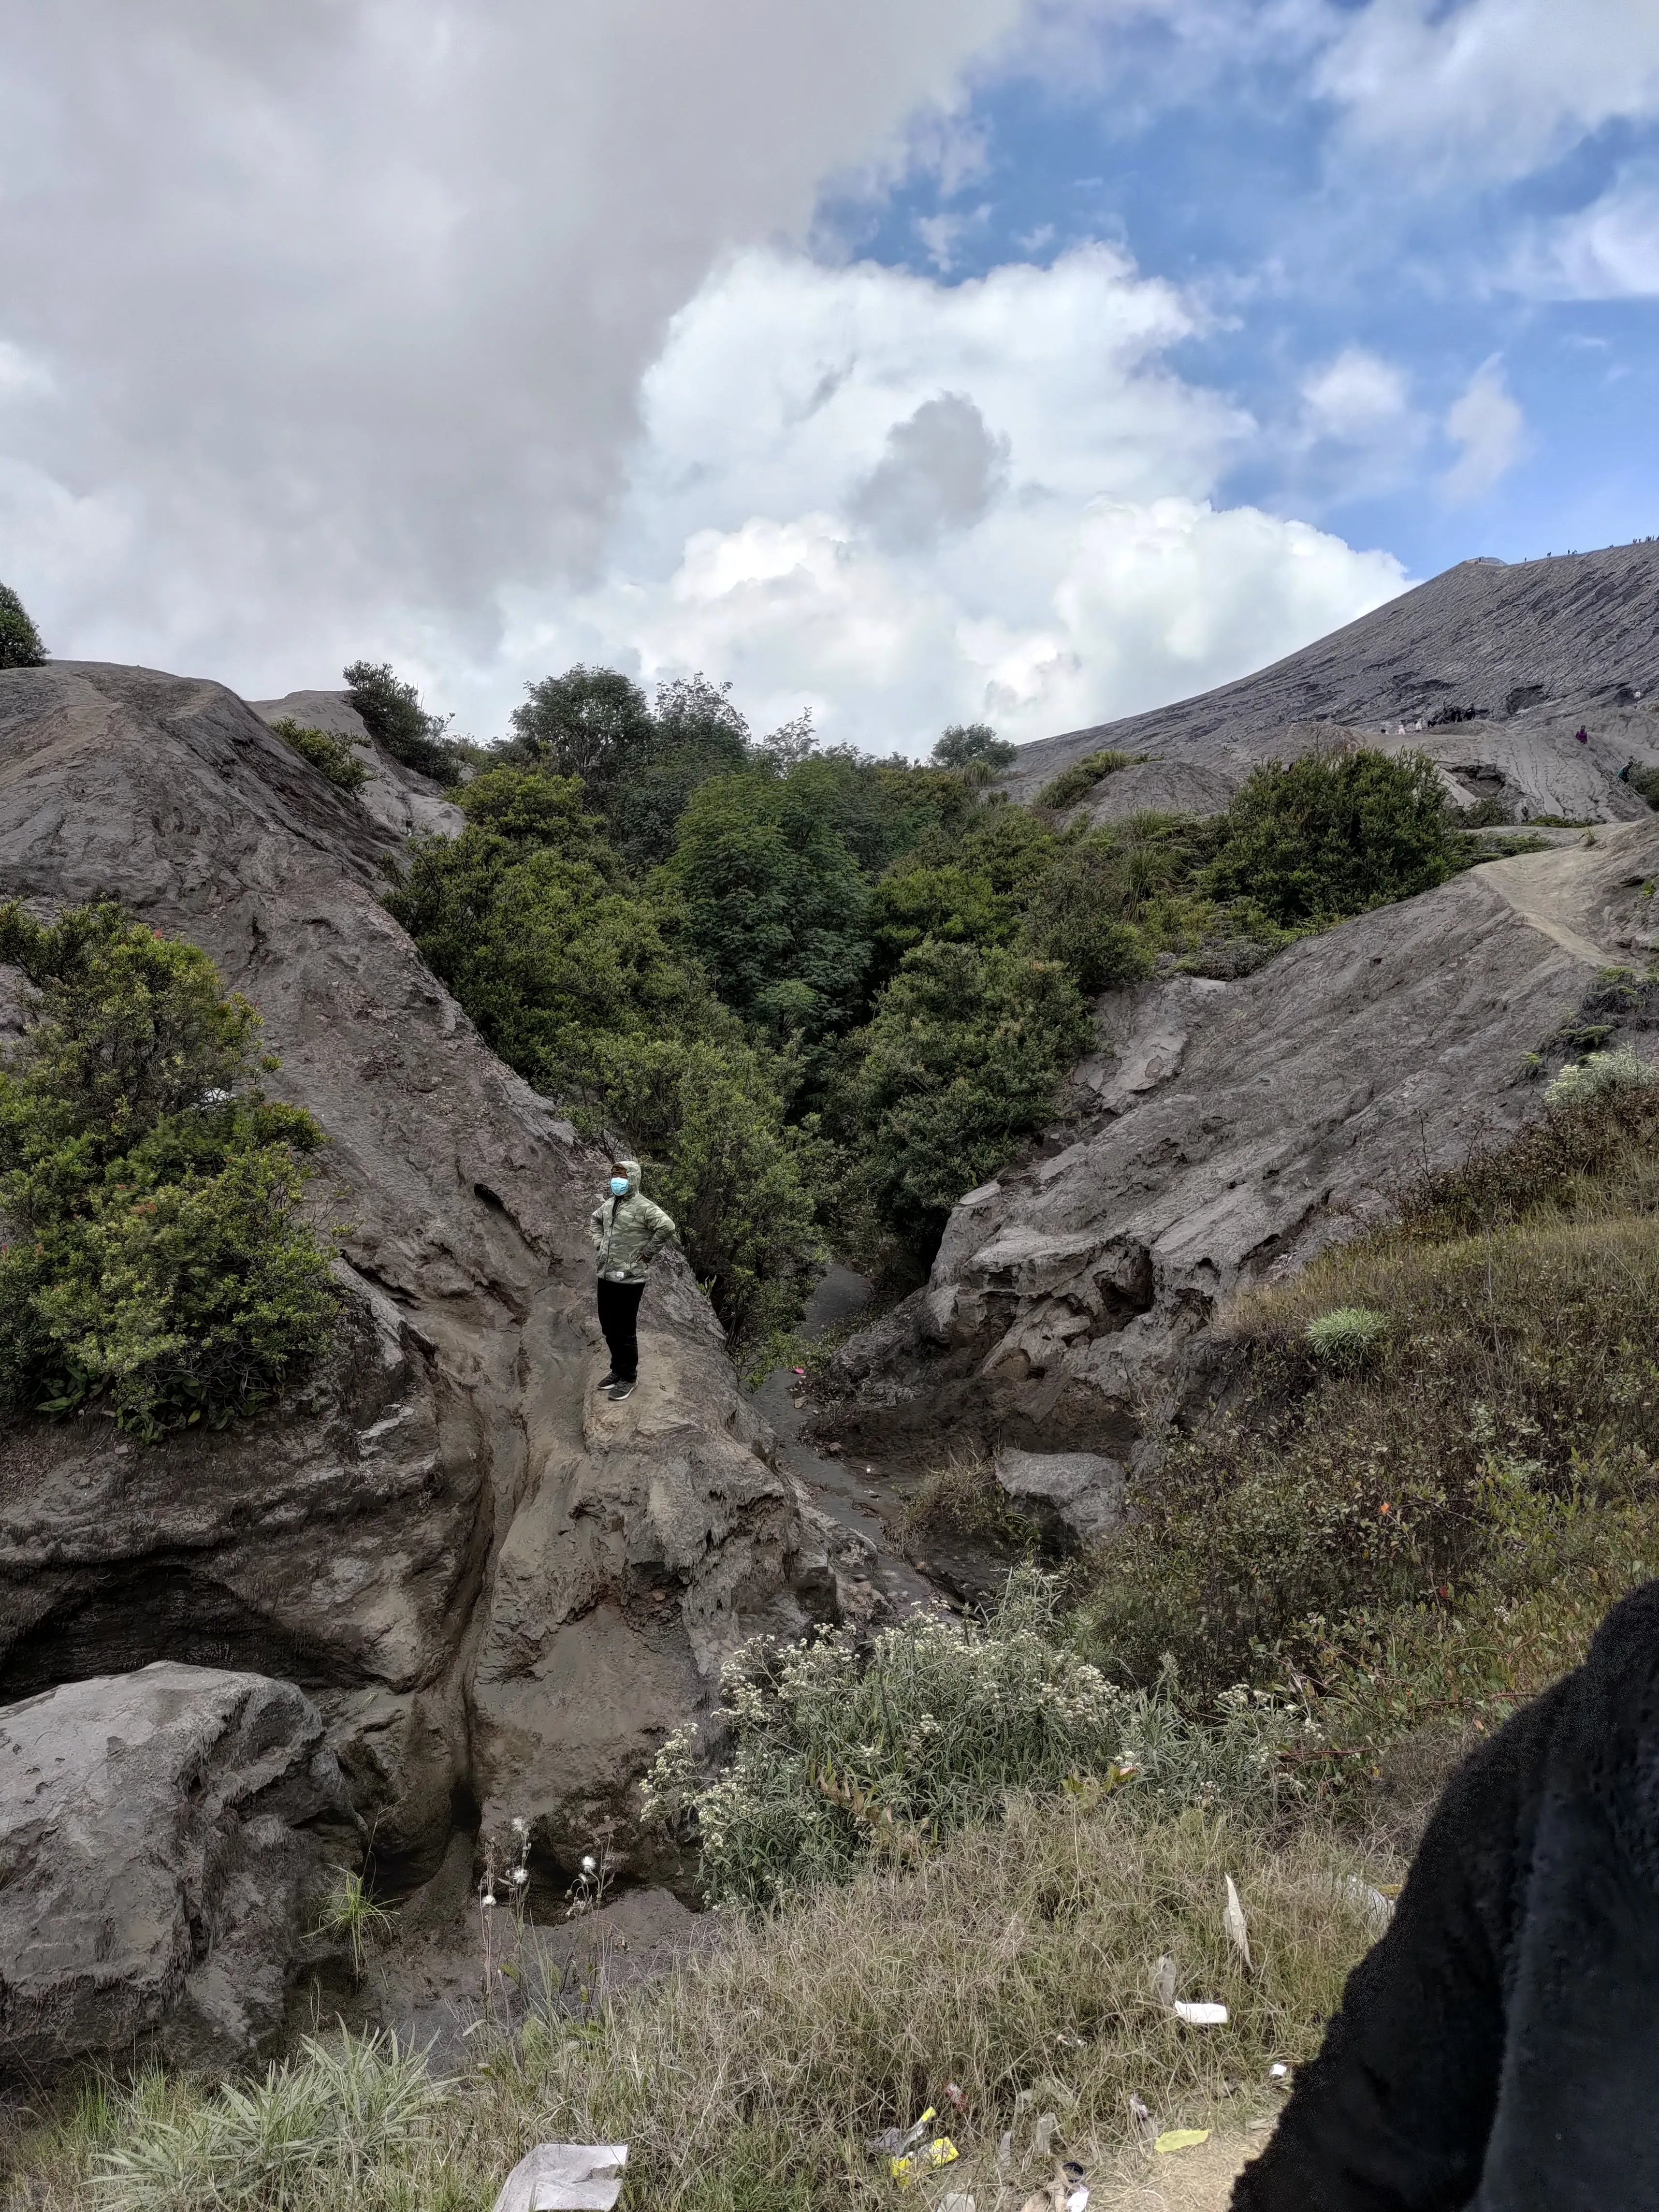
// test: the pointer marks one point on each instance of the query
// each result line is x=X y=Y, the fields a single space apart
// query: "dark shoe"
x=605 y=1381
x=623 y=1389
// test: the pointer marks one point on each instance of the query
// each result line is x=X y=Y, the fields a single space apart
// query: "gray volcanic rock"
x=159 y=1860
x=1083 y=1492
x=493 y=1588
x=397 y=798
x=1226 y=1132
x=1539 y=649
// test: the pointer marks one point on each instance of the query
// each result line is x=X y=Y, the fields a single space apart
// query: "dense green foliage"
x=808 y=986
x=20 y=640
x=1321 y=838
x=1077 y=781
x=394 y=717
x=157 y=1258
x=591 y=986
x=325 y=751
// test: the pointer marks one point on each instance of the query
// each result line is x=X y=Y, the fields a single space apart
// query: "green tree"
x=593 y=723
x=155 y=1253
x=975 y=747
x=20 y=640
x=1321 y=838
x=778 y=905
x=696 y=733
x=959 y=1066
x=394 y=717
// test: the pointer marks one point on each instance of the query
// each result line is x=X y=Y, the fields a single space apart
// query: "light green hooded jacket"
x=628 y=1232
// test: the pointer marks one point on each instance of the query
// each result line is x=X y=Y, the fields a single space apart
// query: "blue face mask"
x=619 y=1185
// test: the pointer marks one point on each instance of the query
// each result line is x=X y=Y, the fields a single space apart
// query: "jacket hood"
x=632 y=1168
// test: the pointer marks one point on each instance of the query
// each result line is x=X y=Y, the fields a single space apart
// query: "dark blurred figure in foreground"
x=1498 y=2049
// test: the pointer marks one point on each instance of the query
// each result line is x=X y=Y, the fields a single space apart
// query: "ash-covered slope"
x=1536 y=648
x=500 y=1590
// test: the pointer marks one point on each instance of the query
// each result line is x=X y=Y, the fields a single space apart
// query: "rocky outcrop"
x=1226 y=1132
x=162 y=1841
x=499 y=1591
x=395 y=798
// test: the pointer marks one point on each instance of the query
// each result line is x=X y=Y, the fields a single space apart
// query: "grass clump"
x=1346 y=1335
x=326 y=752
x=963 y=1494
x=349 y=1915
x=156 y=1257
x=1077 y=781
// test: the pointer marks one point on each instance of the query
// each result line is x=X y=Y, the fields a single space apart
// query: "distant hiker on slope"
x=628 y=1232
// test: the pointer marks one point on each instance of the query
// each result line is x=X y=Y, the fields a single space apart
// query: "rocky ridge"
x=499 y=1590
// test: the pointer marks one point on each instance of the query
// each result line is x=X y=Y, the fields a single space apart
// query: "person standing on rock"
x=628 y=1232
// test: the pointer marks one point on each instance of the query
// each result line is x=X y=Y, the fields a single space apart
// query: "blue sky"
x=904 y=360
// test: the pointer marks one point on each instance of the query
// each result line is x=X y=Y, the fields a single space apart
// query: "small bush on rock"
x=1077 y=781
x=325 y=751
x=394 y=717
x=156 y=1256
x=1618 y=1070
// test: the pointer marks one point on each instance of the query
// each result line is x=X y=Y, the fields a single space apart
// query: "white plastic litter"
x=1377 y=1909
x=565 y=2178
x=1232 y=1920
x=1203 y=2015
x=1043 y=2140
x=1164 y=1981
x=955 y=2202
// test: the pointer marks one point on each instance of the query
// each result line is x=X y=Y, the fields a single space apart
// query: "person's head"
x=621 y=1178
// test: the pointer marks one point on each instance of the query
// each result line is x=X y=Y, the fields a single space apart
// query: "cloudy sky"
x=911 y=360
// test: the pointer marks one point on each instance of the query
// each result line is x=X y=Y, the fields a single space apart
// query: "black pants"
x=619 y=1307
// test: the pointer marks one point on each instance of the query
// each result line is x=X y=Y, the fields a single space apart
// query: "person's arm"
x=661 y=1231
x=1395 y=2112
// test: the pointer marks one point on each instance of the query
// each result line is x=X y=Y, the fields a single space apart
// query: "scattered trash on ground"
x=1180 y=2139
x=1376 y=1903
x=1145 y=2125
x=955 y=2202
x=1067 y=2192
x=1164 y=1982
x=1201 y=2015
x=1232 y=1920
x=565 y=2178
x=931 y=2156
x=1042 y=2139
x=1278 y=2070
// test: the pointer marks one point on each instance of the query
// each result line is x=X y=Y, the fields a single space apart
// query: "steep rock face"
x=1540 y=649
x=1228 y=1131
x=493 y=1587
x=159 y=1859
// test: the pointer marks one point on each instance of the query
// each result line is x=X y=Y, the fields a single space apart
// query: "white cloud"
x=1607 y=251
x=346 y=302
x=901 y=502
x=1489 y=87
x=1356 y=398
x=1490 y=427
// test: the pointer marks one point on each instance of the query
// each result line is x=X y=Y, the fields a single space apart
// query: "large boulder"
x=160 y=1863
x=1226 y=1132
x=500 y=1592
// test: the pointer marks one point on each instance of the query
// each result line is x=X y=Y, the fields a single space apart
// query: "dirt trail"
x=1562 y=893
x=1199 y=2180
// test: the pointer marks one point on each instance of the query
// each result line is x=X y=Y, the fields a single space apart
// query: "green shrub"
x=20 y=640
x=1077 y=781
x=394 y=716
x=836 y=1756
x=1644 y=781
x=1346 y=1335
x=325 y=751
x=156 y=1259
x=1321 y=838
x=1618 y=1070
x=961 y=1063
